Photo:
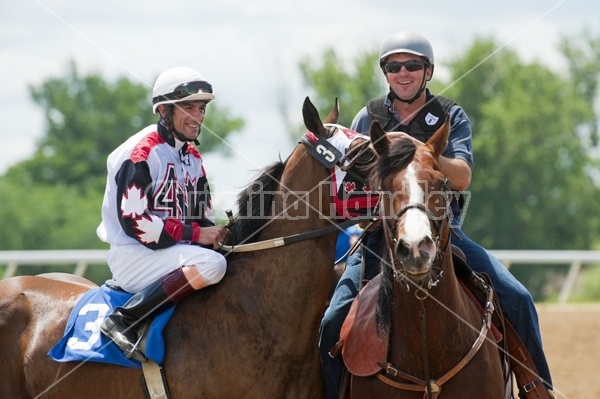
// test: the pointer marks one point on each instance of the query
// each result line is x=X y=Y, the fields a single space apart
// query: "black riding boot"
x=122 y=324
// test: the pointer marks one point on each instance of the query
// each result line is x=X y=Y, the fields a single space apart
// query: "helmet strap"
x=166 y=116
x=393 y=96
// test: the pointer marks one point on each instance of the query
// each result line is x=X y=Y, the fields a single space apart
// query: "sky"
x=249 y=50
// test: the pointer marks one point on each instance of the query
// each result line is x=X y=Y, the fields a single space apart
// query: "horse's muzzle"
x=417 y=258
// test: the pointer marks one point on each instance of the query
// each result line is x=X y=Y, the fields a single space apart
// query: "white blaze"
x=416 y=223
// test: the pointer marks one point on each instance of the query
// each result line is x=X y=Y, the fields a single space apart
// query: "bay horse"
x=253 y=335
x=432 y=339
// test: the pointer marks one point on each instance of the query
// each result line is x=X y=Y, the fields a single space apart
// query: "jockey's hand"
x=399 y=135
x=213 y=235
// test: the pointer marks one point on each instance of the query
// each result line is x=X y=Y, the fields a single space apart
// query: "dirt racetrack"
x=571 y=337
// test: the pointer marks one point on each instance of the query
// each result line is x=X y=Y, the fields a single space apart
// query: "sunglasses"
x=410 y=66
x=184 y=90
x=189 y=88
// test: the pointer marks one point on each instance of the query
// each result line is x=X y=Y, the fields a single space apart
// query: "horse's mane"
x=386 y=300
x=254 y=205
x=396 y=157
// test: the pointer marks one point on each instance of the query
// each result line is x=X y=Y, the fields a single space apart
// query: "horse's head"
x=413 y=203
x=344 y=153
x=298 y=188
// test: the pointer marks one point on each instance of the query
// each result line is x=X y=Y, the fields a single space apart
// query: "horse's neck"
x=291 y=214
x=305 y=265
x=439 y=323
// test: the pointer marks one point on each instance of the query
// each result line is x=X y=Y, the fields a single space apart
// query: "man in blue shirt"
x=410 y=110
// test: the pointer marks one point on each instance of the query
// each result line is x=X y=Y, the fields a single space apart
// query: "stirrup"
x=130 y=350
x=135 y=352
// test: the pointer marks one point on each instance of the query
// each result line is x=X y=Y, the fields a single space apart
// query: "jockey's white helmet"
x=180 y=84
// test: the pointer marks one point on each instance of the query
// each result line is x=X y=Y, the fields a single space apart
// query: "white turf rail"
x=82 y=258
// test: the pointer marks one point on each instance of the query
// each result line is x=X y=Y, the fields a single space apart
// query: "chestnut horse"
x=253 y=335
x=434 y=340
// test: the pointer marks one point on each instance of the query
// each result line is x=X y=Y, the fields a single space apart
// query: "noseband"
x=422 y=208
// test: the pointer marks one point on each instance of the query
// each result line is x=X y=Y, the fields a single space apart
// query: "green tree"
x=475 y=65
x=48 y=217
x=353 y=86
x=532 y=186
x=87 y=117
x=583 y=58
x=218 y=125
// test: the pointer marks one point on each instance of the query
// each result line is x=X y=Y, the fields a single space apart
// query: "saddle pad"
x=363 y=344
x=83 y=341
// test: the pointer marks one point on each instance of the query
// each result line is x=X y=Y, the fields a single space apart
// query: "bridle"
x=327 y=155
x=430 y=387
x=391 y=241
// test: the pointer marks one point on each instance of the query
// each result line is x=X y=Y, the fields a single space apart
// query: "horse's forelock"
x=397 y=157
x=386 y=299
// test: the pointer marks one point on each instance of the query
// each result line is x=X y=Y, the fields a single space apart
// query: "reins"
x=278 y=242
x=357 y=243
x=433 y=387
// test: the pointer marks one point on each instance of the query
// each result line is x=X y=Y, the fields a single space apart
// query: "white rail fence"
x=81 y=259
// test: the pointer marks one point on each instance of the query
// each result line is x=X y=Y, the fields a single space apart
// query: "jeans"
x=515 y=300
x=339 y=306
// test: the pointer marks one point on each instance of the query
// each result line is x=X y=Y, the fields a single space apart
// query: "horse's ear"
x=334 y=115
x=439 y=140
x=378 y=138
x=312 y=120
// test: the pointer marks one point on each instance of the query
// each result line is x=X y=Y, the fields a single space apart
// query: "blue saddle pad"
x=83 y=340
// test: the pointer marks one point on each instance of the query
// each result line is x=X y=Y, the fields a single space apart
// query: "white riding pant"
x=134 y=267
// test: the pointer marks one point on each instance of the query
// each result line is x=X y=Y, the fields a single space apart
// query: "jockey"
x=407 y=62
x=157 y=214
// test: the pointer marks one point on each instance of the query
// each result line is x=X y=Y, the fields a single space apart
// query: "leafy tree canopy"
x=533 y=185
x=87 y=117
x=352 y=86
